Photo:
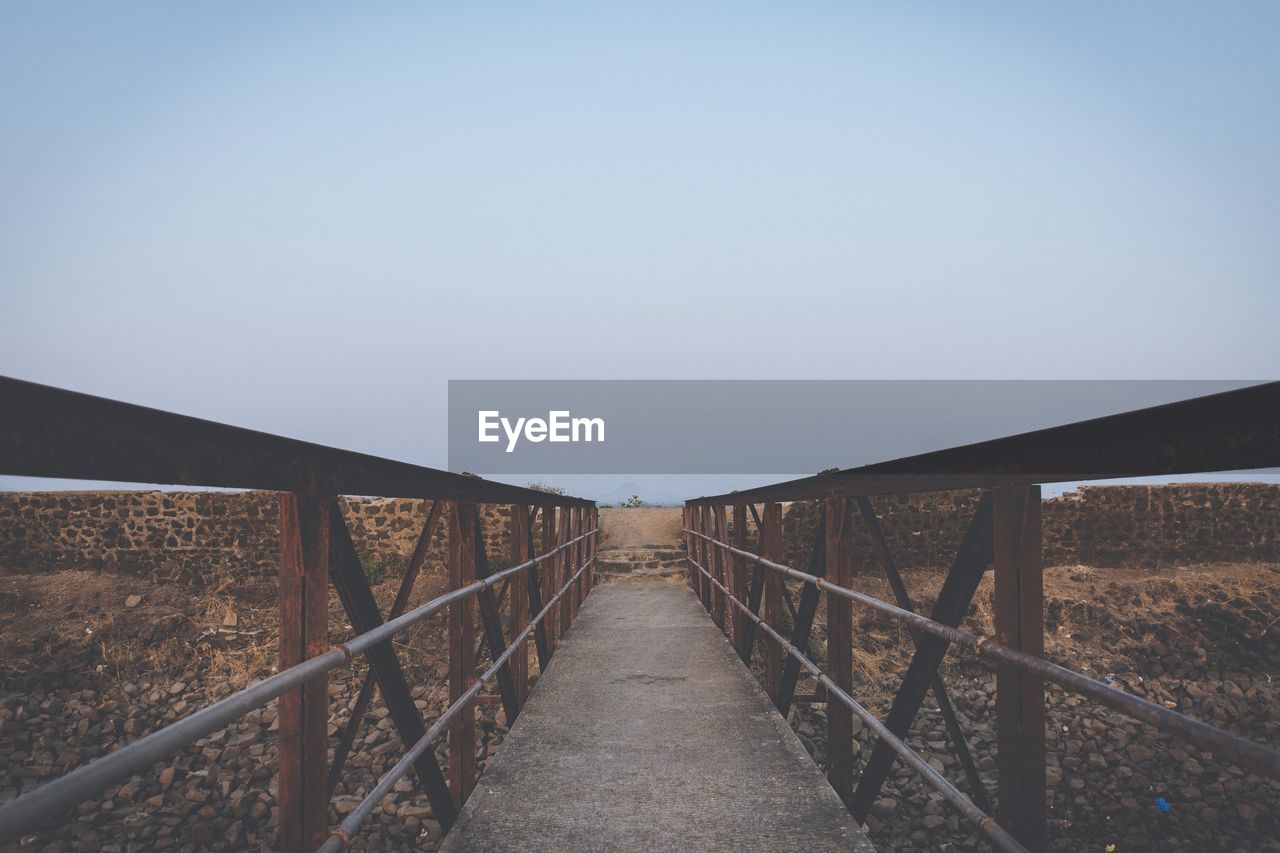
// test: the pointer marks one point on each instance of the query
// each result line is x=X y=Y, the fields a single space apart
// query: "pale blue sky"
x=306 y=218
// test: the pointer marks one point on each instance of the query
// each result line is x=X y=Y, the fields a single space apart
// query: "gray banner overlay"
x=782 y=427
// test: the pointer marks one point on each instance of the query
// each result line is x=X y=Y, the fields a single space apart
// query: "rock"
x=884 y=806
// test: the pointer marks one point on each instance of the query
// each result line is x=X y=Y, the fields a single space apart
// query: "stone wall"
x=1103 y=526
x=196 y=535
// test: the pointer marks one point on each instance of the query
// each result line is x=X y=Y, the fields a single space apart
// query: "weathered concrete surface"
x=648 y=733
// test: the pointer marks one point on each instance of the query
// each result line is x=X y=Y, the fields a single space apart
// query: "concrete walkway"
x=648 y=733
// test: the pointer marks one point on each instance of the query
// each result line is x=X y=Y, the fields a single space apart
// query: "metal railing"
x=1238 y=430
x=53 y=433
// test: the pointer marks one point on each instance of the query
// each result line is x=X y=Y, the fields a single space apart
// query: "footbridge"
x=645 y=728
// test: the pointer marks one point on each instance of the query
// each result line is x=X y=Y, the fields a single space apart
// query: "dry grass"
x=1091 y=615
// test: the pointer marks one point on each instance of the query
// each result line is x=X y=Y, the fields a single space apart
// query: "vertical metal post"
x=518 y=595
x=570 y=557
x=839 y=648
x=699 y=582
x=803 y=615
x=593 y=524
x=723 y=562
x=304 y=627
x=708 y=559
x=739 y=584
x=579 y=553
x=566 y=602
x=1019 y=623
x=549 y=575
x=541 y=642
x=771 y=549
x=691 y=545
x=462 y=650
x=716 y=515
x=491 y=620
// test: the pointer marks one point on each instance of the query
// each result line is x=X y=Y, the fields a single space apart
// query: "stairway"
x=640 y=563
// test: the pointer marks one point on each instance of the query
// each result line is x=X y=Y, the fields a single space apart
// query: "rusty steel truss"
x=48 y=432
x=744 y=593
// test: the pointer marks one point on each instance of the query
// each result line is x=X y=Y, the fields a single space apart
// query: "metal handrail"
x=986 y=823
x=52 y=432
x=342 y=834
x=1235 y=430
x=1253 y=756
x=33 y=808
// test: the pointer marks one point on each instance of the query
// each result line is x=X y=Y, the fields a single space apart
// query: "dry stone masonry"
x=194 y=535
x=1099 y=526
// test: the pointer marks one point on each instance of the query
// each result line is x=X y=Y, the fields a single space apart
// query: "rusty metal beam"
x=304 y=634
x=740 y=584
x=462 y=644
x=771 y=545
x=755 y=595
x=564 y=571
x=518 y=611
x=1018 y=601
x=719 y=608
x=552 y=622
x=839 y=647
x=540 y=640
x=1232 y=431
x=50 y=432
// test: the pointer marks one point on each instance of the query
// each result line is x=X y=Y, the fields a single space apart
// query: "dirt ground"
x=1201 y=639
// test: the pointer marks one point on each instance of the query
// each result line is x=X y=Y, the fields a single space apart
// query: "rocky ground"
x=104 y=659
x=90 y=661
x=1201 y=641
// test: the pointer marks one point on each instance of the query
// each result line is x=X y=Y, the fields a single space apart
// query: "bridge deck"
x=648 y=733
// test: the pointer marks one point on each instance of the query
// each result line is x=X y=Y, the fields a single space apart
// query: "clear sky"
x=305 y=218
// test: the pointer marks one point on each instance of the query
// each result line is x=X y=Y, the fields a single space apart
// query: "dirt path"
x=632 y=527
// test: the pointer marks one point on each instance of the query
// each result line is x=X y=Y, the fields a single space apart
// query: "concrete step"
x=645 y=552
x=645 y=561
x=633 y=565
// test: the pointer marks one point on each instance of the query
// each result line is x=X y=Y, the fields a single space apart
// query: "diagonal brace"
x=755 y=595
x=493 y=626
x=398 y=606
x=803 y=616
x=362 y=608
x=971 y=561
x=936 y=683
x=535 y=601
